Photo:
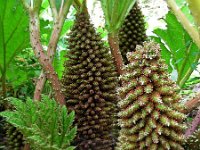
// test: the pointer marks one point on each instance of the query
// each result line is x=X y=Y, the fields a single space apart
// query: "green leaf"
x=64 y=119
x=16 y=76
x=58 y=4
x=66 y=27
x=13 y=30
x=165 y=53
x=6 y=114
x=70 y=148
x=70 y=135
x=69 y=120
x=18 y=104
x=50 y=128
x=185 y=9
x=184 y=53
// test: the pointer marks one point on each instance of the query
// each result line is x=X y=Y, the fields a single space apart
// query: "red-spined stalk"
x=114 y=46
x=115 y=13
x=45 y=60
x=192 y=103
x=59 y=18
x=193 y=126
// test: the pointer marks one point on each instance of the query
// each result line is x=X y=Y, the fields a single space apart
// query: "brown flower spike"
x=133 y=32
x=89 y=83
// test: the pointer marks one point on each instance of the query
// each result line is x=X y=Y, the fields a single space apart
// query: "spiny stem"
x=43 y=59
x=59 y=21
x=194 y=125
x=114 y=45
x=192 y=103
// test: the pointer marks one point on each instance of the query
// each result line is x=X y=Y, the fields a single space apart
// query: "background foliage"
x=178 y=49
x=14 y=32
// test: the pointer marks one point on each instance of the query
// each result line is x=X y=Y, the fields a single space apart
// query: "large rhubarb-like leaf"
x=182 y=53
x=14 y=35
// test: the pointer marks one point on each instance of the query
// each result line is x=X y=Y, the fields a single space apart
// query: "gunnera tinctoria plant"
x=150 y=114
x=132 y=32
x=89 y=82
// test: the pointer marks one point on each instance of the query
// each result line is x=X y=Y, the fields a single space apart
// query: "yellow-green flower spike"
x=150 y=110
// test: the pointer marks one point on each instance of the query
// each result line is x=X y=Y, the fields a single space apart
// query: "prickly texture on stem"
x=193 y=142
x=192 y=104
x=195 y=123
x=89 y=82
x=13 y=138
x=150 y=111
x=43 y=58
x=133 y=32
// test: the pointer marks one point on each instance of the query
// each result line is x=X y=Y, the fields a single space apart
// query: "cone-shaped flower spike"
x=150 y=114
x=89 y=82
x=133 y=32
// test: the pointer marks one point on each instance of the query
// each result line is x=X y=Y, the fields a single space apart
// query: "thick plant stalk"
x=192 y=103
x=34 y=24
x=114 y=45
x=50 y=53
x=43 y=59
x=115 y=12
x=39 y=86
x=193 y=126
x=196 y=121
x=46 y=60
x=194 y=6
